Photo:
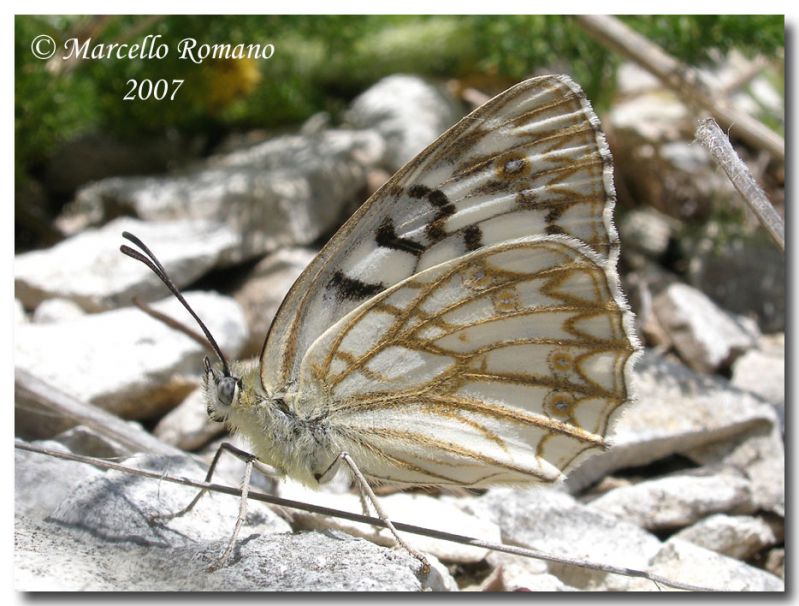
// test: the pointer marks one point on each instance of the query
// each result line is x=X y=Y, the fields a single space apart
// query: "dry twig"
x=713 y=138
x=684 y=80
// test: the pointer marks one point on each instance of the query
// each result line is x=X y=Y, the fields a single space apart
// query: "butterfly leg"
x=368 y=494
x=249 y=460
x=245 y=489
x=365 y=506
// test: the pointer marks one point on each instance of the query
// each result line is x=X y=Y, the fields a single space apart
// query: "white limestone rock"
x=647 y=231
x=123 y=360
x=41 y=482
x=187 y=426
x=50 y=311
x=51 y=557
x=408 y=112
x=286 y=191
x=89 y=269
x=524 y=574
x=706 y=337
x=679 y=559
x=738 y=537
x=677 y=501
x=759 y=456
x=762 y=370
x=554 y=523
x=445 y=514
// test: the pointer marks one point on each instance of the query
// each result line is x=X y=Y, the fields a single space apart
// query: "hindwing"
x=503 y=365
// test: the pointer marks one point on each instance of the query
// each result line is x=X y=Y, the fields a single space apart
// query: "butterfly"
x=466 y=326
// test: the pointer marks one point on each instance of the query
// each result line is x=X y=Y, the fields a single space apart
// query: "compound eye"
x=226 y=389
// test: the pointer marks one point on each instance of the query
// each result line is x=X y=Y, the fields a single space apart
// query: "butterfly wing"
x=532 y=161
x=503 y=365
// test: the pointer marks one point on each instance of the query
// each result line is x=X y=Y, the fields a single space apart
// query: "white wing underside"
x=465 y=326
x=504 y=365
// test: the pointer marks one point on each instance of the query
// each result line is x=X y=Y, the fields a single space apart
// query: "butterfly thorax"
x=298 y=444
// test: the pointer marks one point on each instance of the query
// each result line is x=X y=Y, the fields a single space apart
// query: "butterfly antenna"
x=151 y=261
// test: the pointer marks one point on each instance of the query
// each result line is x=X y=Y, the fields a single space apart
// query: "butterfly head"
x=228 y=390
x=222 y=391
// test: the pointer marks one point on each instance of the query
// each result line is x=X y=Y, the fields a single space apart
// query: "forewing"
x=532 y=161
x=504 y=365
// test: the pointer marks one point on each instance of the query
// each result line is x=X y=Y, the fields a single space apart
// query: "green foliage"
x=46 y=109
x=321 y=62
x=700 y=39
x=525 y=44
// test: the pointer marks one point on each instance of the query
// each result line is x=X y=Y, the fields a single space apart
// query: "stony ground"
x=692 y=490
